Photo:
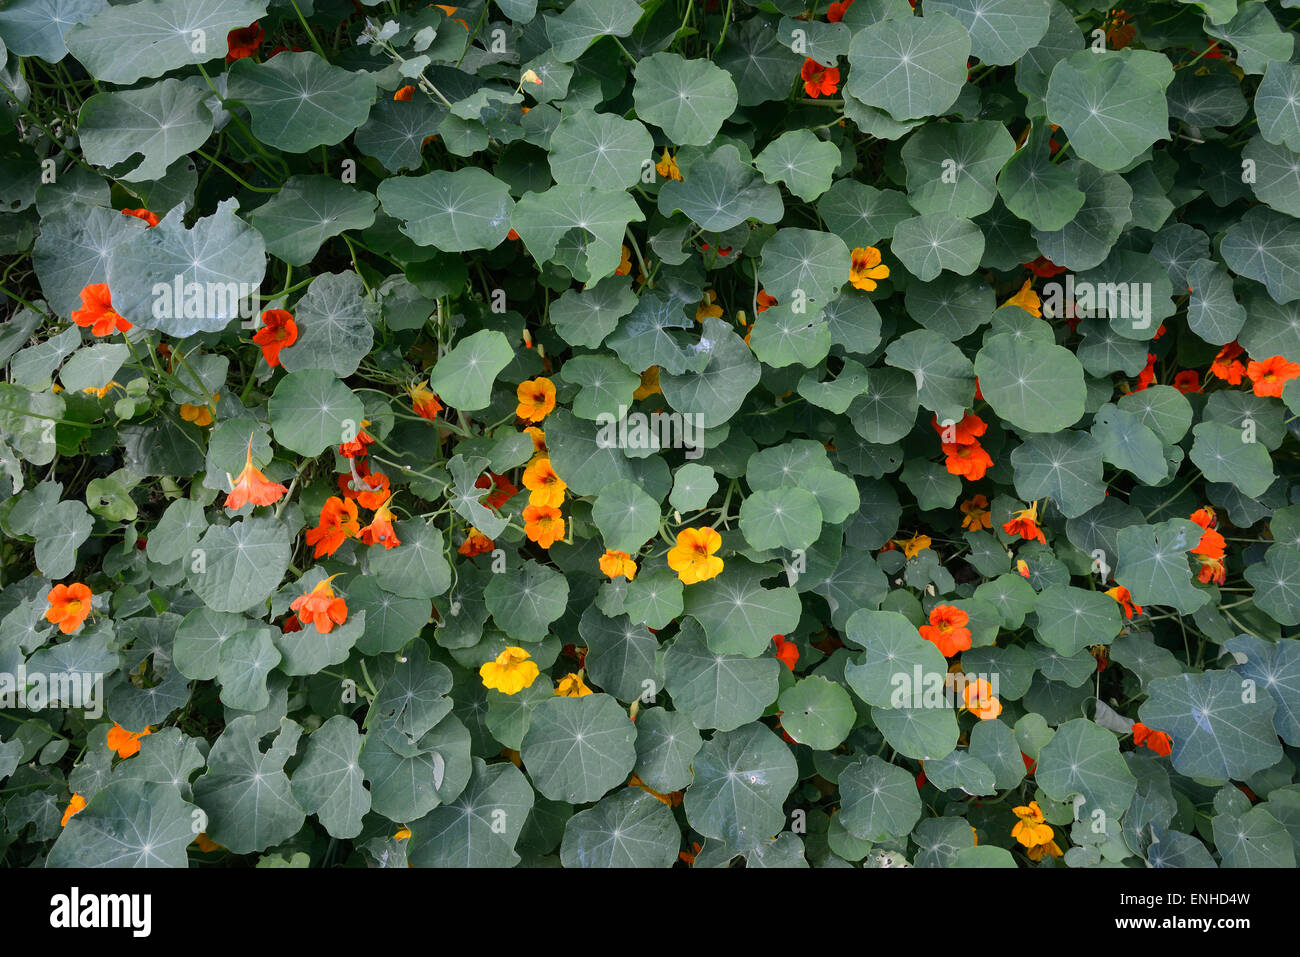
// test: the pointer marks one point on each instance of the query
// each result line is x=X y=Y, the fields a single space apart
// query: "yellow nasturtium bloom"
x=667 y=167
x=866 y=268
x=913 y=546
x=544 y=486
x=572 y=686
x=536 y=399
x=692 y=557
x=1026 y=299
x=614 y=563
x=649 y=384
x=511 y=672
x=1031 y=830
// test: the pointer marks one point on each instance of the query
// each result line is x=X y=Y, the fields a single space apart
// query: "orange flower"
x=865 y=268
x=692 y=557
x=338 y=522
x=512 y=235
x=536 y=399
x=787 y=652
x=1044 y=268
x=476 y=543
x=376 y=491
x=1025 y=524
x=965 y=432
x=423 y=402
x=144 y=214
x=75 y=806
x=124 y=742
x=357 y=447
x=1188 y=381
x=978 y=695
x=1022 y=568
x=672 y=800
x=1121 y=595
x=1147 y=376
x=544 y=486
x=970 y=461
x=278 y=332
x=543 y=524
x=404 y=94
x=205 y=844
x=380 y=529
x=1040 y=851
x=69 y=606
x=1272 y=375
x=252 y=486
x=976 y=512
x=819 y=80
x=1157 y=741
x=321 y=607
x=708 y=307
x=503 y=489
x=97 y=311
x=244 y=41
x=1027 y=299
x=1227 y=365
x=625 y=264
x=649 y=384
x=1212 y=544
x=200 y=415
x=835 y=13
x=614 y=563
x=1205 y=517
x=1211 y=570
x=947 y=630
x=765 y=302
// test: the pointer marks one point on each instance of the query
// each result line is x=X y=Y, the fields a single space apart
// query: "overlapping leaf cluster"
x=602 y=192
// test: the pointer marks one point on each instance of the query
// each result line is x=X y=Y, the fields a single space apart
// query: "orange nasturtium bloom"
x=338 y=523
x=536 y=399
x=380 y=530
x=708 y=307
x=1032 y=830
x=321 y=607
x=97 y=311
x=970 y=461
x=819 y=80
x=764 y=301
x=511 y=672
x=965 y=432
x=205 y=844
x=1121 y=595
x=476 y=543
x=1157 y=741
x=69 y=606
x=667 y=168
x=614 y=563
x=649 y=384
x=1025 y=524
x=538 y=437
x=1227 y=366
x=947 y=630
x=978 y=695
x=357 y=447
x=625 y=263
x=124 y=742
x=787 y=652
x=835 y=12
x=373 y=491
x=144 y=214
x=865 y=268
x=424 y=403
x=243 y=41
x=543 y=524
x=404 y=94
x=572 y=686
x=544 y=486
x=75 y=806
x=252 y=486
x=1271 y=376
x=1026 y=299
x=913 y=546
x=200 y=415
x=976 y=512
x=692 y=557
x=1211 y=570
x=1212 y=544
x=278 y=331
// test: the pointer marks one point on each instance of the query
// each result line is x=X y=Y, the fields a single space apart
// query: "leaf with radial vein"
x=245 y=792
x=524 y=604
x=1039 y=191
x=335 y=326
x=738 y=614
x=600 y=150
x=306 y=212
x=1153 y=564
x=1085 y=241
x=722 y=191
x=666 y=745
x=1213 y=312
x=328 y=781
x=626 y=516
x=952 y=167
x=1083 y=758
x=396 y=130
x=242 y=563
x=629 y=828
x=543 y=219
x=578 y=749
x=912 y=67
x=452 y=211
x=1064 y=466
x=1215 y=733
x=1219 y=451
x=220 y=253
x=127 y=824
x=817 y=712
x=1128 y=444
x=1264 y=245
x=582 y=22
x=463 y=377
x=586 y=317
x=122 y=44
x=480 y=827
x=298 y=101
x=37 y=27
x=310 y=409
x=945 y=379
x=1070 y=619
x=1277 y=668
x=927 y=245
x=804 y=261
x=1036 y=386
x=162 y=122
x=784 y=518
x=620 y=654
x=1277 y=104
x=1256 y=37
x=879 y=800
x=716 y=392
x=1277 y=583
x=742 y=778
x=73 y=250
x=652 y=335
x=893 y=646
x=688 y=99
x=717 y=690
x=801 y=161
x=1001 y=31
x=1111 y=103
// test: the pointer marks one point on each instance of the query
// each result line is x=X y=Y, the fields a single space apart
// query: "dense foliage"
x=645 y=434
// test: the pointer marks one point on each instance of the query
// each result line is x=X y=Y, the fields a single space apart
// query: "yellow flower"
x=866 y=268
x=206 y=845
x=1026 y=299
x=625 y=264
x=544 y=486
x=913 y=546
x=200 y=415
x=538 y=437
x=667 y=167
x=530 y=76
x=1031 y=830
x=708 y=308
x=511 y=672
x=614 y=563
x=649 y=384
x=536 y=399
x=572 y=686
x=1037 y=852
x=692 y=557
x=402 y=834
x=102 y=391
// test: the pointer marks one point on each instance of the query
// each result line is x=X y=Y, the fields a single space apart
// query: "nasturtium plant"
x=649 y=433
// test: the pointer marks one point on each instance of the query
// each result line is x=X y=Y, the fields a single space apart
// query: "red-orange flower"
x=947 y=630
x=144 y=214
x=97 y=311
x=1212 y=544
x=376 y=490
x=1271 y=376
x=69 y=606
x=819 y=80
x=404 y=94
x=1044 y=268
x=1147 y=376
x=476 y=543
x=1121 y=595
x=1227 y=365
x=252 y=486
x=338 y=523
x=78 y=804
x=837 y=10
x=278 y=332
x=357 y=446
x=1211 y=570
x=502 y=489
x=1025 y=524
x=787 y=652
x=1157 y=741
x=1188 y=381
x=764 y=301
x=965 y=432
x=244 y=41
x=124 y=742
x=424 y=403
x=321 y=607
x=969 y=461
x=380 y=530
x=976 y=512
